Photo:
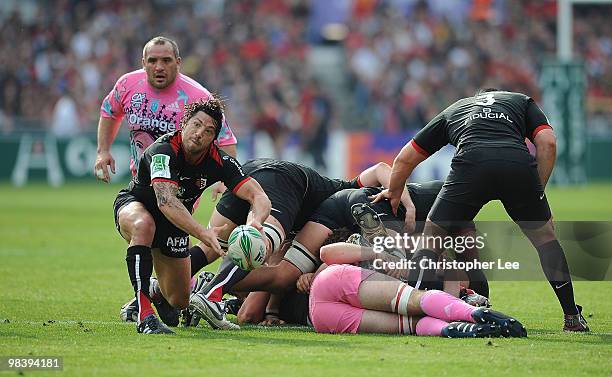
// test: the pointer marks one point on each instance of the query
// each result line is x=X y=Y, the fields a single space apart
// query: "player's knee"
x=249 y=316
x=143 y=226
x=178 y=301
x=541 y=235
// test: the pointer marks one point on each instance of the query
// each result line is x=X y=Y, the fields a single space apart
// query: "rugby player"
x=151 y=100
x=350 y=299
x=492 y=162
x=172 y=174
x=344 y=317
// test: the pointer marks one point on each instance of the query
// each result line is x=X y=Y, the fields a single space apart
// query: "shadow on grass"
x=254 y=336
x=563 y=337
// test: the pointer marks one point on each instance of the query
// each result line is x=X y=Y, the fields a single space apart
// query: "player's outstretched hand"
x=216 y=189
x=304 y=281
x=209 y=238
x=103 y=161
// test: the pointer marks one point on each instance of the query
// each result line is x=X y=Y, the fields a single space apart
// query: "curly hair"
x=213 y=107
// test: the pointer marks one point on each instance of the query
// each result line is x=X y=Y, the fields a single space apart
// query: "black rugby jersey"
x=490 y=119
x=164 y=160
x=312 y=187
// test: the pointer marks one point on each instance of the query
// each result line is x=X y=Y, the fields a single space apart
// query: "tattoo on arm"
x=166 y=194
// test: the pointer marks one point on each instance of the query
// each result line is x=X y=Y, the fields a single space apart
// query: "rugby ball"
x=246 y=248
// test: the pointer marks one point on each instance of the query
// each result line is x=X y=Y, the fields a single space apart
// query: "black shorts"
x=293 y=308
x=170 y=240
x=480 y=175
x=286 y=196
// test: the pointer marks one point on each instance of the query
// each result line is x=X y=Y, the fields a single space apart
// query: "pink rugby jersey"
x=152 y=112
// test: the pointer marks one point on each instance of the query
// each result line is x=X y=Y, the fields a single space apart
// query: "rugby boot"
x=575 y=322
x=189 y=318
x=471 y=330
x=473 y=298
x=129 y=311
x=152 y=325
x=212 y=312
x=369 y=222
x=510 y=327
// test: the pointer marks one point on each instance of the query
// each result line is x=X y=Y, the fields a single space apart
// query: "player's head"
x=161 y=61
x=201 y=123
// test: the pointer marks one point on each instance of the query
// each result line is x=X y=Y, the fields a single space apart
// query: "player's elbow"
x=264 y=201
x=546 y=139
x=327 y=254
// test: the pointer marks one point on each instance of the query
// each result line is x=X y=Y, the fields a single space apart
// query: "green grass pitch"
x=63 y=279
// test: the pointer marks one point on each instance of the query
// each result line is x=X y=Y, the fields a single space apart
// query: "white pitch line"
x=67 y=322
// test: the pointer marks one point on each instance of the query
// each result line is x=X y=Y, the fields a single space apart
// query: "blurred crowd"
x=405 y=60
x=410 y=59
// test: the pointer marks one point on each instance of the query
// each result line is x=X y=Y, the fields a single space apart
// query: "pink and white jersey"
x=152 y=112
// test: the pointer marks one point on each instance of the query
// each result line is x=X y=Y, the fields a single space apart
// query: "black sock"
x=227 y=276
x=552 y=259
x=198 y=259
x=424 y=278
x=140 y=267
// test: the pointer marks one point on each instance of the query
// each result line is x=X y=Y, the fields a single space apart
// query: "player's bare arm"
x=546 y=153
x=252 y=192
x=178 y=215
x=107 y=132
x=346 y=253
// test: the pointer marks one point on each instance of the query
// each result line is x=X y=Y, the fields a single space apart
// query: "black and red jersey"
x=164 y=161
x=494 y=119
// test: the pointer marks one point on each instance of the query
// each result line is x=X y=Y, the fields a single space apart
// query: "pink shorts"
x=334 y=305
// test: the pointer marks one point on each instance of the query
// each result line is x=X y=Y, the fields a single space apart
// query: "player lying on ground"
x=292 y=305
x=154 y=213
x=350 y=299
x=492 y=162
